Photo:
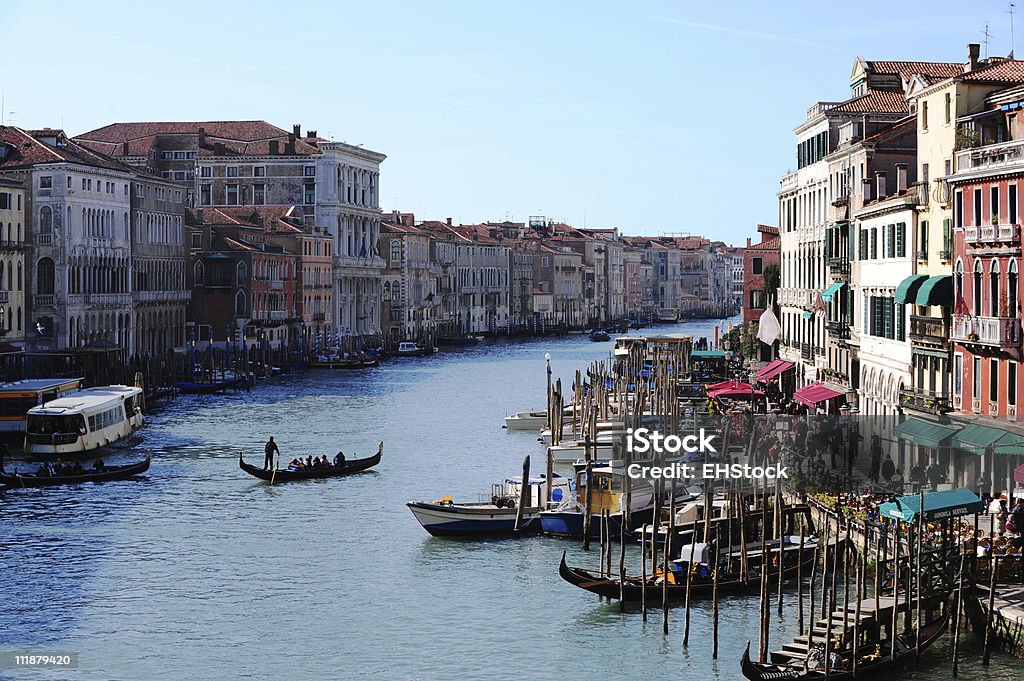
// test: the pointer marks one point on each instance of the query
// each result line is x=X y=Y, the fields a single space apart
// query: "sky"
x=653 y=117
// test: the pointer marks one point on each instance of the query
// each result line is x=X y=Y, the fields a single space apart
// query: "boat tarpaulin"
x=937 y=505
x=815 y=393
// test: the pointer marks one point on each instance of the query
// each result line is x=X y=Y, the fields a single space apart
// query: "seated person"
x=324 y=462
x=339 y=459
x=98 y=465
x=43 y=472
x=77 y=468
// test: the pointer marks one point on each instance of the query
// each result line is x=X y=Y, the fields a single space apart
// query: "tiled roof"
x=875 y=101
x=238 y=137
x=269 y=218
x=997 y=71
x=906 y=69
x=26 y=151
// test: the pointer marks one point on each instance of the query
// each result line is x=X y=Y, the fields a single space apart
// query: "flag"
x=961 y=306
x=819 y=304
x=768 y=329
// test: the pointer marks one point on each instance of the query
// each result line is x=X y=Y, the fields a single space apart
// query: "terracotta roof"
x=238 y=137
x=875 y=101
x=267 y=218
x=27 y=150
x=906 y=69
x=997 y=71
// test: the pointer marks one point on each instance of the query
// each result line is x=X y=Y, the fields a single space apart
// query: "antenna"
x=987 y=37
x=1013 y=45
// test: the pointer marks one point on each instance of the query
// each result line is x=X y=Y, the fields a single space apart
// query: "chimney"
x=202 y=137
x=901 y=178
x=311 y=134
x=449 y=221
x=124 y=148
x=866 y=189
x=880 y=179
x=973 y=53
x=297 y=130
x=748 y=242
x=275 y=147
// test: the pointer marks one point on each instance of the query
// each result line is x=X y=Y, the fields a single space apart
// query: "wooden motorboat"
x=285 y=475
x=89 y=475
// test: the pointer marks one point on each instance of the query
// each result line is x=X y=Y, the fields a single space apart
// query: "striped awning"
x=936 y=291
x=815 y=393
x=773 y=369
x=906 y=292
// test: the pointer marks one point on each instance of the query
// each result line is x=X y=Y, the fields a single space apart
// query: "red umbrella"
x=1018 y=474
x=737 y=393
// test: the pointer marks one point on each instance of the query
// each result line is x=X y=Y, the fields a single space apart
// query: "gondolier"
x=268 y=453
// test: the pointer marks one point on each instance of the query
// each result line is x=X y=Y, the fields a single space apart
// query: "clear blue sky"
x=650 y=116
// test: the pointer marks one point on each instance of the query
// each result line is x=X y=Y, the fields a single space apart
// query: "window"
x=44 y=276
x=949 y=107
x=958 y=209
x=977 y=378
x=1011 y=385
x=309 y=171
x=197 y=239
x=976 y=289
x=901 y=230
x=757 y=301
x=958 y=281
x=1011 y=290
x=45 y=220
x=167 y=155
x=197 y=272
x=240 y=304
x=890 y=241
x=396 y=250
x=993 y=293
x=205 y=171
x=977 y=207
x=242 y=271
x=232 y=171
x=259 y=171
x=46 y=182
x=924 y=116
x=205 y=195
x=874 y=243
x=259 y=194
x=179 y=175
x=179 y=156
x=994 y=204
x=231 y=195
x=309 y=193
x=1011 y=203
x=993 y=380
x=958 y=373
x=757 y=267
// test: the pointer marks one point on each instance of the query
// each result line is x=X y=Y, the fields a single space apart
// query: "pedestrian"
x=888 y=467
x=268 y=453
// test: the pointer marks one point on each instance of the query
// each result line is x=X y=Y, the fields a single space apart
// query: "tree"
x=772 y=281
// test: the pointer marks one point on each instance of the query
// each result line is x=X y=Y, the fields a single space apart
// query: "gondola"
x=284 y=475
x=192 y=388
x=603 y=585
x=108 y=473
x=875 y=660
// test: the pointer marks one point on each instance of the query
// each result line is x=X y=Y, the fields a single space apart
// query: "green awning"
x=708 y=354
x=936 y=291
x=808 y=315
x=976 y=438
x=906 y=292
x=1010 y=445
x=937 y=505
x=924 y=433
x=928 y=352
x=827 y=294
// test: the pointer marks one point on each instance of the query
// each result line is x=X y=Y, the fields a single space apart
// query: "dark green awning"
x=936 y=291
x=827 y=294
x=976 y=438
x=906 y=292
x=937 y=505
x=1010 y=445
x=924 y=433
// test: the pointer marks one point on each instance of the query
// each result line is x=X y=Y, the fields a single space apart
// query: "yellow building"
x=938 y=104
x=12 y=262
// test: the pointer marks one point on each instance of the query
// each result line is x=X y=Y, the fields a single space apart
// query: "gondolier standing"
x=268 y=451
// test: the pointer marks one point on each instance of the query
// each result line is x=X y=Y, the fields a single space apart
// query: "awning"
x=808 y=315
x=814 y=394
x=722 y=385
x=1010 y=445
x=774 y=369
x=827 y=294
x=976 y=438
x=936 y=291
x=924 y=433
x=928 y=352
x=737 y=392
x=708 y=354
x=937 y=505
x=906 y=292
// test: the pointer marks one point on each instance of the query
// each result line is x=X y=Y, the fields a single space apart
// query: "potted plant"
x=995 y=218
x=972 y=336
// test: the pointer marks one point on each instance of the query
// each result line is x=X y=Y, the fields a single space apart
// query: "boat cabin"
x=17 y=397
x=85 y=421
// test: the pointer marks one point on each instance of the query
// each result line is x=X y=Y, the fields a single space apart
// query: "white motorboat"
x=84 y=422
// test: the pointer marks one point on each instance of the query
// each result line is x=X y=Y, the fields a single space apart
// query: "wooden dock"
x=843 y=625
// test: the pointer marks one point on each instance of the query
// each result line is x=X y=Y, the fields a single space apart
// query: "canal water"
x=201 y=572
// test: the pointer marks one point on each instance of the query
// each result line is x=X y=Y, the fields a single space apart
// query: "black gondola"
x=192 y=388
x=604 y=585
x=351 y=466
x=875 y=658
x=108 y=473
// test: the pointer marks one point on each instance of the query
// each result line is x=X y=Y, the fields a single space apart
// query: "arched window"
x=976 y=293
x=243 y=272
x=198 y=273
x=45 y=220
x=396 y=250
x=993 y=289
x=240 y=304
x=1011 y=290
x=44 y=277
x=20 y=284
x=387 y=291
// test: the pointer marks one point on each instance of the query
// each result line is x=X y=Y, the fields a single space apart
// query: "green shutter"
x=924 y=237
x=900 y=245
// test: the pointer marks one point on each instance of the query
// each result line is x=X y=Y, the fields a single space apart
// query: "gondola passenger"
x=339 y=459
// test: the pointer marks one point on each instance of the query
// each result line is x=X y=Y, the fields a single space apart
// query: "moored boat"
x=350 y=466
x=82 y=423
x=104 y=474
x=493 y=517
x=599 y=336
x=410 y=349
x=211 y=387
x=459 y=341
x=343 y=363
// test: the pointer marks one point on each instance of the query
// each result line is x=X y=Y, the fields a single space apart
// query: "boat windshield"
x=42 y=424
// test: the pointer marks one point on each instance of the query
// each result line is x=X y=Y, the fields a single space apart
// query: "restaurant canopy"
x=1018 y=474
x=738 y=390
x=937 y=505
x=924 y=433
x=977 y=438
x=722 y=385
x=773 y=369
x=815 y=393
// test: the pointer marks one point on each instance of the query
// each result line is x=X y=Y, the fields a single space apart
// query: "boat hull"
x=112 y=473
x=570 y=523
x=274 y=476
x=472 y=520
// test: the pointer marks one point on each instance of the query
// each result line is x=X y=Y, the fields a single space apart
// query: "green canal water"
x=200 y=572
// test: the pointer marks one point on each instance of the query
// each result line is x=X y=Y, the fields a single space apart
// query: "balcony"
x=40 y=301
x=182 y=295
x=992 y=234
x=806 y=351
x=990 y=157
x=278 y=315
x=1000 y=332
x=5 y=297
x=924 y=401
x=929 y=330
x=44 y=239
x=11 y=245
x=319 y=316
x=276 y=285
x=838 y=329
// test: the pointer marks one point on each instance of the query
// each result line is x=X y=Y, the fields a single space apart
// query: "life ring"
x=510 y=503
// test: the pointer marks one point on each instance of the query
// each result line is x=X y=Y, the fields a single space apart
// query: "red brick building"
x=755 y=258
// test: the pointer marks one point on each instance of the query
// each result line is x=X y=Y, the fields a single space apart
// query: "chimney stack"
x=748 y=242
x=449 y=221
x=311 y=134
x=124 y=148
x=973 y=54
x=275 y=147
x=901 y=178
x=297 y=130
x=866 y=189
x=202 y=137
x=880 y=179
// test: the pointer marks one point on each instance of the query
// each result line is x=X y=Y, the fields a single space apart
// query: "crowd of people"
x=316 y=463
x=57 y=469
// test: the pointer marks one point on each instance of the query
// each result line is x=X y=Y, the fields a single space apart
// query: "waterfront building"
x=13 y=248
x=635 y=285
x=410 y=289
x=523 y=310
x=78 y=216
x=756 y=258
